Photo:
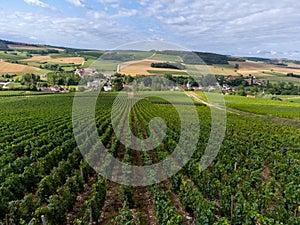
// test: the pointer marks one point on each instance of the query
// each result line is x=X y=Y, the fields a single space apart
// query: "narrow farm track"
x=187 y=218
x=270 y=118
x=142 y=198
x=81 y=197
x=113 y=202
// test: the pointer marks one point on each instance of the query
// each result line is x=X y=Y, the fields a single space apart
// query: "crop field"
x=21 y=93
x=103 y=66
x=143 y=67
x=12 y=55
x=13 y=68
x=224 y=70
x=261 y=69
x=28 y=47
x=67 y=60
x=291 y=98
x=141 y=55
x=253 y=180
x=168 y=72
x=264 y=106
x=111 y=65
x=276 y=79
x=165 y=57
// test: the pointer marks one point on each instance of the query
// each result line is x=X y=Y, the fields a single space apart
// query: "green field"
x=103 y=66
x=165 y=57
x=274 y=73
x=21 y=93
x=276 y=79
x=264 y=106
x=290 y=98
x=14 y=84
x=141 y=55
x=61 y=55
x=15 y=55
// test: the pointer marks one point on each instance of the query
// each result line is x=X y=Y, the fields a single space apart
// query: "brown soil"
x=113 y=202
x=142 y=198
x=71 y=216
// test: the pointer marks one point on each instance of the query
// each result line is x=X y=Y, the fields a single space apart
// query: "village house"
x=86 y=72
x=95 y=83
x=53 y=89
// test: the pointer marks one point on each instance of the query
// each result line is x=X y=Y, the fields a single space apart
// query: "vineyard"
x=255 y=178
x=277 y=108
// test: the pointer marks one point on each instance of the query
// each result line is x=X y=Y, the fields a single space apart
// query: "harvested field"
x=12 y=68
x=224 y=70
x=141 y=67
x=47 y=58
x=257 y=69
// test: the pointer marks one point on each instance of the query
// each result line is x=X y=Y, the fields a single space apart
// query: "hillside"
x=18 y=59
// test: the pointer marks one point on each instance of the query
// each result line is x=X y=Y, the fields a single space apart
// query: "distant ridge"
x=188 y=57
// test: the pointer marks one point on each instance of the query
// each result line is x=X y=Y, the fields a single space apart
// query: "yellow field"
x=217 y=70
x=28 y=47
x=12 y=68
x=140 y=67
x=257 y=69
x=294 y=65
x=47 y=58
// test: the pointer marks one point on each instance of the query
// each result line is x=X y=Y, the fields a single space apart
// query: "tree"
x=241 y=91
x=117 y=84
x=30 y=79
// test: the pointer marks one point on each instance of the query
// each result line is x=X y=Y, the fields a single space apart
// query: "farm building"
x=95 y=83
x=86 y=72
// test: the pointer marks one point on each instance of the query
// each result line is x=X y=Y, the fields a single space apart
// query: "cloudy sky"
x=247 y=28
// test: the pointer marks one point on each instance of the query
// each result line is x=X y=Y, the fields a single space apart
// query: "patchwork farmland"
x=51 y=170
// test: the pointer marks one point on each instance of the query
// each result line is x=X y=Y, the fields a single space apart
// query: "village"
x=90 y=79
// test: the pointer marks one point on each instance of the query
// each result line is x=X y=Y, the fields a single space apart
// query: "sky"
x=241 y=28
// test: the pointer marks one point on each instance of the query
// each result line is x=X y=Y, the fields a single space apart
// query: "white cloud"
x=121 y=13
x=39 y=3
x=180 y=20
x=96 y=15
x=231 y=27
x=125 y=13
x=78 y=3
x=108 y=1
x=65 y=31
x=33 y=38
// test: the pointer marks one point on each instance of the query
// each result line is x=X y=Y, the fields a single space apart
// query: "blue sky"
x=234 y=27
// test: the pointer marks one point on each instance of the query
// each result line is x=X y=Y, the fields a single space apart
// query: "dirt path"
x=113 y=202
x=77 y=208
x=187 y=218
x=272 y=119
x=198 y=99
x=143 y=203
